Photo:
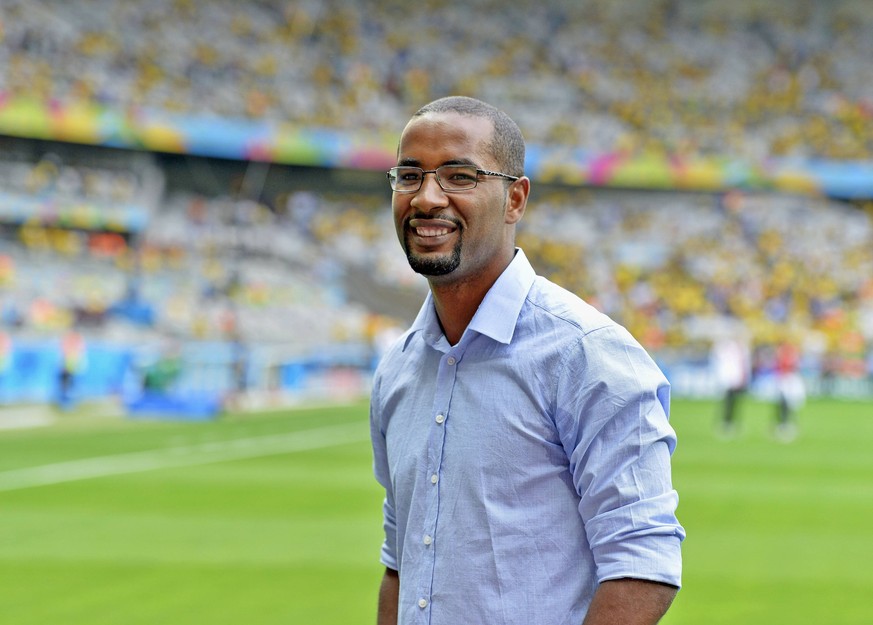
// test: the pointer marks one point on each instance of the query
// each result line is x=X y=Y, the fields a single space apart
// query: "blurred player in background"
x=732 y=364
x=521 y=436
x=790 y=390
x=73 y=360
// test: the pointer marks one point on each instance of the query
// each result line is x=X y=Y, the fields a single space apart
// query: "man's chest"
x=476 y=435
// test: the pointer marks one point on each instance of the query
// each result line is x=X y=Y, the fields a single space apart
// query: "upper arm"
x=612 y=419
x=383 y=476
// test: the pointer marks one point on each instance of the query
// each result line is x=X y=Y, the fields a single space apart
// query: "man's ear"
x=516 y=200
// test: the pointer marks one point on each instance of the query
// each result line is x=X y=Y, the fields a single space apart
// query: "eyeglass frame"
x=424 y=172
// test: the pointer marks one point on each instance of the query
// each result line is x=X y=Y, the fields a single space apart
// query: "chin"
x=433 y=266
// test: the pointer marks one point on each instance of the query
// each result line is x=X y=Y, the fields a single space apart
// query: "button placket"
x=437 y=440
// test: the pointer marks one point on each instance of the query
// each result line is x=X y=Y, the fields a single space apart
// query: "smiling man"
x=522 y=437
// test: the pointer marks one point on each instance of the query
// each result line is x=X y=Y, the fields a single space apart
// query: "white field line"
x=24 y=417
x=182 y=456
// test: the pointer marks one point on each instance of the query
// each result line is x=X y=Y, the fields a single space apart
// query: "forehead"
x=438 y=138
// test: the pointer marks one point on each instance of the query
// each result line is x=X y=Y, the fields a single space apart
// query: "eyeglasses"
x=451 y=178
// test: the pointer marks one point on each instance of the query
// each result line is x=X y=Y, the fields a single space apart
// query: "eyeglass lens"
x=449 y=177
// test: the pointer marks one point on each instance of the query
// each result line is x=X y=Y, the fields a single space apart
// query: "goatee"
x=434 y=266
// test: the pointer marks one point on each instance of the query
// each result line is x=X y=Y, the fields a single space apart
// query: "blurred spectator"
x=160 y=375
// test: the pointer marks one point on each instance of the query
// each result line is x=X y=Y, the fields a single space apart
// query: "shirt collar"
x=497 y=314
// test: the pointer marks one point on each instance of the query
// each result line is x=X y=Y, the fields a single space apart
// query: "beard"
x=434 y=266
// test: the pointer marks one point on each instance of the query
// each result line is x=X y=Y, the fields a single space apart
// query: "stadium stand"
x=282 y=280
x=754 y=79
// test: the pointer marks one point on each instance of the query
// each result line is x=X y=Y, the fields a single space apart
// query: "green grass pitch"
x=266 y=519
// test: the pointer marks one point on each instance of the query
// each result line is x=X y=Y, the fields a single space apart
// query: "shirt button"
x=451 y=360
x=440 y=418
x=422 y=603
x=427 y=540
x=434 y=478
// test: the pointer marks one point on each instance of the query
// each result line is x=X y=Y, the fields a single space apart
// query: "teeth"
x=431 y=232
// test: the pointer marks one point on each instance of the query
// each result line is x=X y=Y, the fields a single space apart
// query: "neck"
x=455 y=308
x=456 y=302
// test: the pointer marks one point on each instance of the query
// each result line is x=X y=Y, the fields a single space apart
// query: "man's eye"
x=461 y=175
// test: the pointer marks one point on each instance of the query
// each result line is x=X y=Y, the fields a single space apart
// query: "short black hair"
x=507 y=142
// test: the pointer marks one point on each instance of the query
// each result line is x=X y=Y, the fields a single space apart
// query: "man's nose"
x=430 y=194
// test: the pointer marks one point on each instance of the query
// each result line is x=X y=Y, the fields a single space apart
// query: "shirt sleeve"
x=612 y=415
x=381 y=471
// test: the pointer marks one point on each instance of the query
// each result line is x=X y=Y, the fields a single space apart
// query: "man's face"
x=451 y=237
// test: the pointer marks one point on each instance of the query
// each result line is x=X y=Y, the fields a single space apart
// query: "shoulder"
x=550 y=303
x=587 y=339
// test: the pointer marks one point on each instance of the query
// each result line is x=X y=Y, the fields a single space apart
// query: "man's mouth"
x=431 y=228
x=431 y=232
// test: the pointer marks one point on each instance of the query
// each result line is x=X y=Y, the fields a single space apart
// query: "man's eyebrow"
x=414 y=162
x=461 y=161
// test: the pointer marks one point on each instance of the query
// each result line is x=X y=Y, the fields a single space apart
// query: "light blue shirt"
x=525 y=464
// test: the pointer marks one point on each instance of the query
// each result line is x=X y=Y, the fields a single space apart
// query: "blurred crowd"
x=680 y=270
x=683 y=270
x=203 y=268
x=102 y=247
x=748 y=79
